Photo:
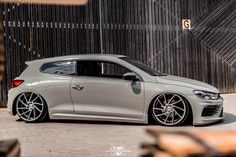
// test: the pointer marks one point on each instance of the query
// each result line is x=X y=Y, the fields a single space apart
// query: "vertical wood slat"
x=147 y=30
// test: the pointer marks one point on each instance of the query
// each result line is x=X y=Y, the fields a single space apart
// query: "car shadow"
x=68 y=121
x=229 y=118
x=150 y=124
x=94 y=122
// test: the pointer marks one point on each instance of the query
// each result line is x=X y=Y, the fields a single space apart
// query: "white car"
x=110 y=88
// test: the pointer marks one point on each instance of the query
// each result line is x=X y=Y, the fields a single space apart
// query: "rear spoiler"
x=28 y=62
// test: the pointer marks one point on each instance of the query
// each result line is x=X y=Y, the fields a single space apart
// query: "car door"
x=99 y=89
x=54 y=85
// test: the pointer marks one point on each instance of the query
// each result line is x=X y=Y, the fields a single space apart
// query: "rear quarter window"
x=59 y=68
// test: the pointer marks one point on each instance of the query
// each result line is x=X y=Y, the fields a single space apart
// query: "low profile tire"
x=169 y=109
x=31 y=107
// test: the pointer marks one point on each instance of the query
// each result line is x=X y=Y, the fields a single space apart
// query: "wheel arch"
x=15 y=100
x=190 y=116
x=14 y=104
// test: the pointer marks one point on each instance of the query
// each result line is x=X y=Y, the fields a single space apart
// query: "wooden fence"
x=147 y=30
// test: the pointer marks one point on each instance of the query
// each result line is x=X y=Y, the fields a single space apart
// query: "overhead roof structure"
x=217 y=30
x=64 y=2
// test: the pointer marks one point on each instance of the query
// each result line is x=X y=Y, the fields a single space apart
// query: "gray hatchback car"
x=110 y=88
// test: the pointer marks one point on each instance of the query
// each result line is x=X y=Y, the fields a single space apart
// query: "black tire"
x=45 y=115
x=31 y=107
x=154 y=115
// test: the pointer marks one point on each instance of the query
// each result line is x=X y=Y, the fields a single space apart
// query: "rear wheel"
x=169 y=109
x=31 y=107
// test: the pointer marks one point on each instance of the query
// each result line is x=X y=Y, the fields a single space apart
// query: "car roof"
x=80 y=56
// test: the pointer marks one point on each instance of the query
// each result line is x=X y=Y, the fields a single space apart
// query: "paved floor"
x=95 y=139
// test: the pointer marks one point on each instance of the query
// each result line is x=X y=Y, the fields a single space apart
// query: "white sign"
x=118 y=151
x=186 y=24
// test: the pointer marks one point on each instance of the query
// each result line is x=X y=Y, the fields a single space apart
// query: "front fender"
x=152 y=90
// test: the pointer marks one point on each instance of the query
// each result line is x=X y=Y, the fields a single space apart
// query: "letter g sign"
x=186 y=24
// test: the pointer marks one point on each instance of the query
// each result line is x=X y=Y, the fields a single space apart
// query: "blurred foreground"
x=190 y=144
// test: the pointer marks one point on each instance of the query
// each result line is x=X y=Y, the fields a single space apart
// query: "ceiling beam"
x=58 y=2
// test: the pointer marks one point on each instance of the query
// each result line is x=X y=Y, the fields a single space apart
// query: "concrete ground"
x=95 y=139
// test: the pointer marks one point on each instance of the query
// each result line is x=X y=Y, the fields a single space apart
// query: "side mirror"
x=130 y=76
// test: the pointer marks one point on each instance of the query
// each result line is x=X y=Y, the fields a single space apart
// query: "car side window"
x=60 y=68
x=100 y=69
x=113 y=70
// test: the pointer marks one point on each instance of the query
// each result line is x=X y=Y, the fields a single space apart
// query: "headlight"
x=206 y=95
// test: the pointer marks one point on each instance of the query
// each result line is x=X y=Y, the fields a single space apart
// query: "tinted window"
x=100 y=69
x=142 y=66
x=60 y=68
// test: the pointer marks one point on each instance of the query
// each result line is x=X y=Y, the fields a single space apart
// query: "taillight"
x=16 y=83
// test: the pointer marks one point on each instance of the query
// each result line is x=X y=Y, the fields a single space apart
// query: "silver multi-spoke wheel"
x=30 y=107
x=169 y=109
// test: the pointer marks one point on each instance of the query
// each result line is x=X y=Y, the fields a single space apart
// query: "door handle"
x=78 y=87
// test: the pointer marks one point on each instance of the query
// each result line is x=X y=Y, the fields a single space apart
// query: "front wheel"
x=169 y=109
x=31 y=107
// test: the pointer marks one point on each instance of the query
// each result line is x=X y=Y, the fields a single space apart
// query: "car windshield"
x=142 y=66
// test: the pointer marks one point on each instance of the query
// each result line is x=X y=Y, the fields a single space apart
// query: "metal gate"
x=147 y=30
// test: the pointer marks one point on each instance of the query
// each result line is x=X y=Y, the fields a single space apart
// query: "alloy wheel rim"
x=29 y=106
x=169 y=109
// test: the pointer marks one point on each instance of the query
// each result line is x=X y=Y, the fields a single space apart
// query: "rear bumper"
x=12 y=94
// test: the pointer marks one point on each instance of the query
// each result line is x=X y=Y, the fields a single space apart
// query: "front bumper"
x=207 y=111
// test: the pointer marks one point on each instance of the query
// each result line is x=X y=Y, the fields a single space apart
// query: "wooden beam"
x=60 y=2
x=2 y=55
x=10 y=148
